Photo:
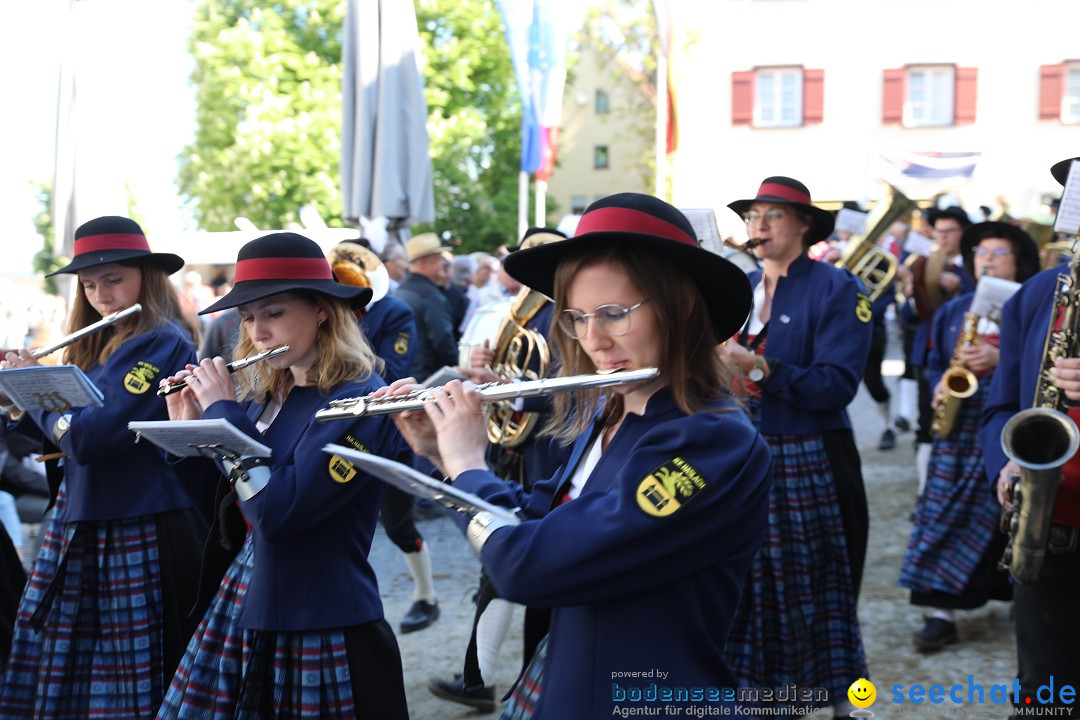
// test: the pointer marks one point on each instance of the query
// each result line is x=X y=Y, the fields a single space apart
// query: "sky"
x=135 y=102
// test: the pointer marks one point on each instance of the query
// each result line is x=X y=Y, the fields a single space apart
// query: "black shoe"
x=420 y=615
x=902 y=423
x=888 y=441
x=935 y=635
x=481 y=697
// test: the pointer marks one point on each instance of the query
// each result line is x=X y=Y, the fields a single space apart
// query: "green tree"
x=268 y=95
x=45 y=260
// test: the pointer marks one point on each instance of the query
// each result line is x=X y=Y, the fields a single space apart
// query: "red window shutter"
x=1051 y=87
x=966 y=85
x=813 y=96
x=742 y=97
x=892 y=97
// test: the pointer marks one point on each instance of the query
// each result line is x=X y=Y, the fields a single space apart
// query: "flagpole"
x=523 y=204
x=661 y=124
x=541 y=204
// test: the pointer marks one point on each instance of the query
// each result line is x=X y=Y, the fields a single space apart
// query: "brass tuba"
x=1041 y=440
x=960 y=382
x=872 y=264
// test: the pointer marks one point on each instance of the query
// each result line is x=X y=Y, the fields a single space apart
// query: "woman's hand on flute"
x=414 y=426
x=182 y=405
x=455 y=411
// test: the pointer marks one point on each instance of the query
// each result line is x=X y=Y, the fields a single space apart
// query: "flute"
x=170 y=388
x=350 y=408
x=88 y=330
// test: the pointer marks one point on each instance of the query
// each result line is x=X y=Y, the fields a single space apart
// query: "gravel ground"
x=986 y=649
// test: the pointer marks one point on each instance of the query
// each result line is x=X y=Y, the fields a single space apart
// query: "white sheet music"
x=1068 y=215
x=192 y=438
x=708 y=233
x=53 y=388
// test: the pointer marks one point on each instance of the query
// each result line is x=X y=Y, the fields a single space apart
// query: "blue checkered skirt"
x=88 y=635
x=230 y=672
x=526 y=694
x=797 y=621
x=957 y=516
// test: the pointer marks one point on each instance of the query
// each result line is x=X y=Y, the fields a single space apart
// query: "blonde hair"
x=160 y=304
x=342 y=353
x=688 y=342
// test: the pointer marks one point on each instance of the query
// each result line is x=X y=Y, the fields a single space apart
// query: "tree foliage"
x=268 y=90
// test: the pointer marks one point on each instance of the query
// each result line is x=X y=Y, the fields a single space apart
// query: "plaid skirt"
x=88 y=634
x=230 y=672
x=797 y=621
x=526 y=694
x=956 y=518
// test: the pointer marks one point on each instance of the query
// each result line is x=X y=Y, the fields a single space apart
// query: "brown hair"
x=342 y=353
x=160 y=304
x=688 y=344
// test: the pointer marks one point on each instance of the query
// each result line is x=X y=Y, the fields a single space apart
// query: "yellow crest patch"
x=862 y=308
x=669 y=487
x=340 y=469
x=401 y=345
x=140 y=378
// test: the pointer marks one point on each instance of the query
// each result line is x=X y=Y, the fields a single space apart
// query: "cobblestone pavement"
x=985 y=651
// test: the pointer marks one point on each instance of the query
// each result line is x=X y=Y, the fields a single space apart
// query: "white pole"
x=523 y=204
x=541 y=204
x=661 y=125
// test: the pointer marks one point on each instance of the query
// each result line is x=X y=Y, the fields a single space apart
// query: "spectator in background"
x=429 y=272
x=396 y=261
x=462 y=269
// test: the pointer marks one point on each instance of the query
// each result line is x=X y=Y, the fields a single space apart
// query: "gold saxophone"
x=960 y=382
x=872 y=264
x=1041 y=440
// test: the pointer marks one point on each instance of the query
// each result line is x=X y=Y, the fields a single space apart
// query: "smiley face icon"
x=862 y=693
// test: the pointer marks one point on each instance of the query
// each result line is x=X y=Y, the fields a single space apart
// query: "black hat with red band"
x=788 y=191
x=113 y=239
x=284 y=262
x=1060 y=170
x=633 y=221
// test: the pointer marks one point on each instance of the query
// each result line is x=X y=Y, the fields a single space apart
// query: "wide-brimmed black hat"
x=538 y=236
x=284 y=262
x=113 y=239
x=788 y=191
x=1025 y=249
x=1060 y=170
x=953 y=212
x=633 y=221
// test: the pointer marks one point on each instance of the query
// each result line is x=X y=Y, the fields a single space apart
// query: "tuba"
x=1041 y=440
x=874 y=265
x=960 y=382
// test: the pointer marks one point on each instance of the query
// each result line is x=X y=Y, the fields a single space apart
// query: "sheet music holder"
x=416 y=483
x=53 y=388
x=1068 y=214
x=703 y=220
x=199 y=438
x=990 y=296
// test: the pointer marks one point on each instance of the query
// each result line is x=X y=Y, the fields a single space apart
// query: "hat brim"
x=428 y=253
x=1060 y=170
x=249 y=291
x=167 y=261
x=723 y=286
x=822 y=222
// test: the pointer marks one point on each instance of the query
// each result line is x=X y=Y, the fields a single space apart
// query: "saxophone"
x=960 y=382
x=1041 y=440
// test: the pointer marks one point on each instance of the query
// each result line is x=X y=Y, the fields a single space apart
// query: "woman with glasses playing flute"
x=640 y=542
x=102 y=623
x=802 y=353
x=296 y=628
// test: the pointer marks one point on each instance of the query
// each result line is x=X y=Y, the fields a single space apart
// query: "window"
x=1059 y=92
x=777 y=97
x=600 y=157
x=603 y=103
x=929 y=96
x=578 y=203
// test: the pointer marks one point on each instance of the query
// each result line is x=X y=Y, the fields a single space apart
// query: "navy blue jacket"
x=312 y=524
x=821 y=344
x=107 y=474
x=645 y=568
x=437 y=340
x=390 y=328
x=1024 y=321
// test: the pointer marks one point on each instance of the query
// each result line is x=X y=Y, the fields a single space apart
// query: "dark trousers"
x=926 y=412
x=872 y=376
x=1048 y=632
x=396 y=516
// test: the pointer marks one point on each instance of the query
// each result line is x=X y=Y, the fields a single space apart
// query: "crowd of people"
x=710 y=520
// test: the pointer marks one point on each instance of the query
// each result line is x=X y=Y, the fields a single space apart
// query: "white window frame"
x=778 y=97
x=1070 y=95
x=930 y=96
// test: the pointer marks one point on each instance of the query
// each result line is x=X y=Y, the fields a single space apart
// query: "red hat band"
x=121 y=241
x=783 y=191
x=283 y=269
x=616 y=219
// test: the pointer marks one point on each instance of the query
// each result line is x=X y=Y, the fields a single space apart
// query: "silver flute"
x=88 y=330
x=350 y=408
x=170 y=388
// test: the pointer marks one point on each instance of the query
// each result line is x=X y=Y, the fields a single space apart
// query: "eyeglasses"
x=614 y=319
x=753 y=216
x=996 y=252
